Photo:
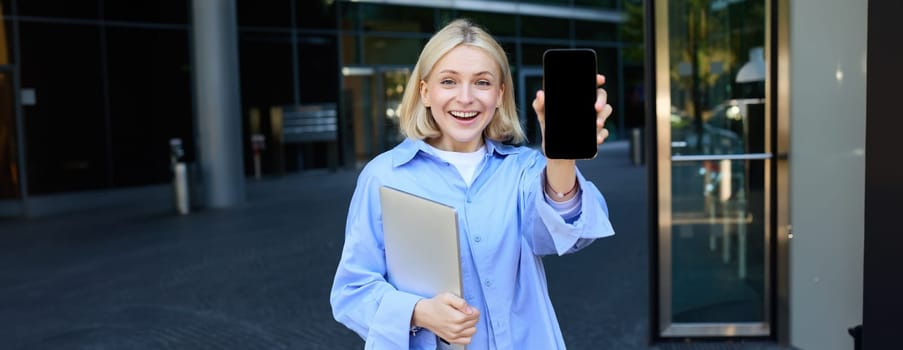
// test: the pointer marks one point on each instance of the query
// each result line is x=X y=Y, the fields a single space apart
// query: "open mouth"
x=464 y=115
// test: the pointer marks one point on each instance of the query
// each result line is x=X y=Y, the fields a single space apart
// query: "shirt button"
x=477 y=239
x=488 y=283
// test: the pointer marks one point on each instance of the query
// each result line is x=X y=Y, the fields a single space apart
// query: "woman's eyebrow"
x=454 y=72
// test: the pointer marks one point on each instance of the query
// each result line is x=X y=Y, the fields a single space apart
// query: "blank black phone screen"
x=569 y=84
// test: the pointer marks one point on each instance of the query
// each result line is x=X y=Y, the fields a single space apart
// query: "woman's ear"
x=423 y=93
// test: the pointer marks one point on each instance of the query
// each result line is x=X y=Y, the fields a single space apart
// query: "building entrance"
x=714 y=160
x=371 y=97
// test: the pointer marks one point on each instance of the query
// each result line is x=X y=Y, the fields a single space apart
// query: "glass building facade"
x=104 y=85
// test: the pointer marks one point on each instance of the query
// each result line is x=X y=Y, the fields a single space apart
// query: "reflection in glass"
x=394 y=84
x=710 y=43
x=371 y=100
x=717 y=242
x=718 y=189
x=736 y=126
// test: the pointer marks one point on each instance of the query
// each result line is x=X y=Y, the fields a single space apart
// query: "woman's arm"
x=548 y=232
x=561 y=173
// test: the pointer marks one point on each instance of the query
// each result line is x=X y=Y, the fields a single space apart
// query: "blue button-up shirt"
x=505 y=225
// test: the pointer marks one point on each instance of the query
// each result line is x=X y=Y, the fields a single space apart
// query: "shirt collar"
x=408 y=149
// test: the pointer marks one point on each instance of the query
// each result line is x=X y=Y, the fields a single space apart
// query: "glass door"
x=713 y=160
x=372 y=96
x=393 y=83
x=358 y=109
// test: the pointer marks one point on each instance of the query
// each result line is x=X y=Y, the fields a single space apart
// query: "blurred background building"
x=110 y=82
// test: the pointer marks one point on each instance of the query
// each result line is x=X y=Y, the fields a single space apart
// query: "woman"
x=514 y=206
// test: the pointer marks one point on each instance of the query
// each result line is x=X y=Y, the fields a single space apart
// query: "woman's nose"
x=465 y=94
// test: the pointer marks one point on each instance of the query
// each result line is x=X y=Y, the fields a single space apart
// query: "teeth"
x=464 y=114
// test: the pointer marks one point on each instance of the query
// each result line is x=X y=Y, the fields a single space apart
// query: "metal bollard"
x=180 y=188
x=636 y=146
x=179 y=177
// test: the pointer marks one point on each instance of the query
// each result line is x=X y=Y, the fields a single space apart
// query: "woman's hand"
x=448 y=316
x=603 y=110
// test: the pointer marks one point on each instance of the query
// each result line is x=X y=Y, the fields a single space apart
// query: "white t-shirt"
x=466 y=163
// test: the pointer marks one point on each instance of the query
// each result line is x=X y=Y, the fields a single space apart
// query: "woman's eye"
x=447 y=82
x=484 y=83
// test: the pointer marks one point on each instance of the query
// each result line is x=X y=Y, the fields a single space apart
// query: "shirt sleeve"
x=545 y=228
x=569 y=209
x=361 y=298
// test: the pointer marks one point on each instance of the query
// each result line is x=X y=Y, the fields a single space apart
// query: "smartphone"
x=569 y=84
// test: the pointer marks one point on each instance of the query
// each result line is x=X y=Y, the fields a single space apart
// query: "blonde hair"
x=415 y=119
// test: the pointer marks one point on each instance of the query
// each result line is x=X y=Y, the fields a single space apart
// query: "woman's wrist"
x=415 y=321
x=562 y=196
x=561 y=179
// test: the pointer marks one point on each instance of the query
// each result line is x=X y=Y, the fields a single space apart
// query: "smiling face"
x=462 y=93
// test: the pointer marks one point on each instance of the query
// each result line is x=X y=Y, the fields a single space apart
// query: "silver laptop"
x=422 y=248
